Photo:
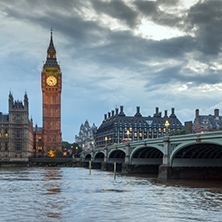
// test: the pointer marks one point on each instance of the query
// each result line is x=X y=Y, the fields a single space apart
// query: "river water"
x=72 y=194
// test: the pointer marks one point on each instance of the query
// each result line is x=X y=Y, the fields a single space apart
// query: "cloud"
x=118 y=10
x=106 y=62
x=205 y=18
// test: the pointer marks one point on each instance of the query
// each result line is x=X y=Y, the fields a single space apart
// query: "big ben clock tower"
x=51 y=101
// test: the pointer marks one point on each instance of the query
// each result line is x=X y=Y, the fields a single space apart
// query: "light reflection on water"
x=71 y=194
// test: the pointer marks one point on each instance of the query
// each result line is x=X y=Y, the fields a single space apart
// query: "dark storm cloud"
x=151 y=9
x=108 y=65
x=95 y=43
x=80 y=32
x=179 y=75
x=118 y=10
x=206 y=18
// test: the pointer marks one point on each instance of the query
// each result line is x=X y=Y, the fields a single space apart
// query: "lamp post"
x=106 y=140
x=76 y=150
x=92 y=144
x=166 y=125
x=128 y=133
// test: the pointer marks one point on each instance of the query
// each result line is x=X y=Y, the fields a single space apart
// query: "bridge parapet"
x=169 y=153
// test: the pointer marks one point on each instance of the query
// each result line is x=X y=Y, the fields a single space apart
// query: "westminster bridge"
x=184 y=156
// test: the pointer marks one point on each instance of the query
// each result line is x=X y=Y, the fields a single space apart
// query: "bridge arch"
x=99 y=157
x=88 y=157
x=116 y=155
x=202 y=154
x=146 y=155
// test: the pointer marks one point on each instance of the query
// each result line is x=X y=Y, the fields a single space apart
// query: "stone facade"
x=19 y=140
x=16 y=137
x=207 y=123
x=51 y=102
x=117 y=126
x=86 y=137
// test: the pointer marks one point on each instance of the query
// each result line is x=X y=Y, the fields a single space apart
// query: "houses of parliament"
x=19 y=139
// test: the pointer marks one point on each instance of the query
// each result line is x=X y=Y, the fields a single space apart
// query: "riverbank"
x=43 y=162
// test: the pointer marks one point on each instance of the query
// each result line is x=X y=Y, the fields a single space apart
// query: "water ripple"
x=71 y=194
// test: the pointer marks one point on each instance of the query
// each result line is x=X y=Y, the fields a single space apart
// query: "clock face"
x=51 y=81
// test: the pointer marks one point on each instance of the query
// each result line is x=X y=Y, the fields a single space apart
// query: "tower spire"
x=51 y=47
x=51 y=54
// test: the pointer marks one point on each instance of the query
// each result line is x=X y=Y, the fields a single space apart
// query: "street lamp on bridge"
x=106 y=140
x=166 y=125
x=128 y=133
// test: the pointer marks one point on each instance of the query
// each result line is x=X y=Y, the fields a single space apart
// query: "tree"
x=73 y=147
x=55 y=153
x=175 y=132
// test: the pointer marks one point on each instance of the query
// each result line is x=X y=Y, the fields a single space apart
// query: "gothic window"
x=6 y=146
x=6 y=132
x=18 y=133
x=18 y=146
x=18 y=118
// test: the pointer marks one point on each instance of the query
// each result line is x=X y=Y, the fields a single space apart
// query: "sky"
x=114 y=52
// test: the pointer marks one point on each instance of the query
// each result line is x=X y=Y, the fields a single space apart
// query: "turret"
x=197 y=113
x=117 y=110
x=165 y=115
x=172 y=115
x=216 y=113
x=138 y=114
x=10 y=101
x=26 y=102
x=121 y=111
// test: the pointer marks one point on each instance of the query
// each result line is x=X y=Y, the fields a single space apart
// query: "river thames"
x=72 y=194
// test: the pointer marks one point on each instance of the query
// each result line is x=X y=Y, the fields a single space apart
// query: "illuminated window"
x=6 y=133
x=164 y=130
x=159 y=129
x=135 y=134
x=140 y=134
x=0 y=135
x=39 y=147
x=130 y=129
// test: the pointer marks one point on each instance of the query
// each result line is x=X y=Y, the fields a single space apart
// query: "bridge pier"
x=164 y=172
x=165 y=169
x=139 y=169
x=191 y=172
x=127 y=155
x=110 y=166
